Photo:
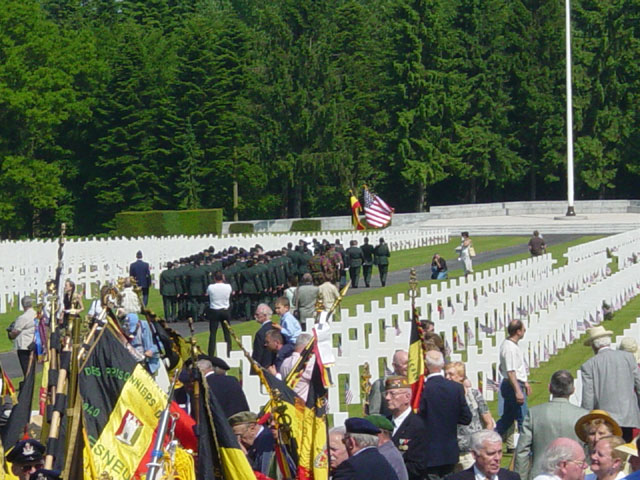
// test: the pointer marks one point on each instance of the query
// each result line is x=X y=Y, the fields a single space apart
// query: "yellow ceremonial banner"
x=129 y=431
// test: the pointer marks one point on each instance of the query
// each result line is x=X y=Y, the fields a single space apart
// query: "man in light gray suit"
x=544 y=423
x=611 y=381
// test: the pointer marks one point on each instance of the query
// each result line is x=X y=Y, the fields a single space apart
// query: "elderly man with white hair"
x=611 y=381
x=377 y=402
x=486 y=448
x=442 y=407
x=563 y=459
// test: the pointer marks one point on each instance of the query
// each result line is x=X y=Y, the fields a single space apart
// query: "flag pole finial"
x=413 y=281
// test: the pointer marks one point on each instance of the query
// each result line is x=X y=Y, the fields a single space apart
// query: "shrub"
x=169 y=222
x=306 y=225
x=241 y=228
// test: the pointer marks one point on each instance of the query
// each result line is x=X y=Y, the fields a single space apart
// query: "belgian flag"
x=121 y=406
x=356 y=208
x=306 y=422
x=415 y=369
x=219 y=454
x=313 y=438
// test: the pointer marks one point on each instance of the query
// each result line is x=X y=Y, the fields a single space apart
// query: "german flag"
x=121 y=406
x=356 y=208
x=415 y=369
x=217 y=445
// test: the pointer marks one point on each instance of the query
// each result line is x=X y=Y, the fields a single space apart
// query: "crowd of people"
x=447 y=431
x=256 y=276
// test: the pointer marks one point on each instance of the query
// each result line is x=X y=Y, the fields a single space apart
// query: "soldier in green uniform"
x=354 y=261
x=304 y=255
x=381 y=259
x=315 y=266
x=367 y=261
x=266 y=279
x=181 y=288
x=343 y=267
x=292 y=255
x=336 y=263
x=197 y=280
x=168 y=292
x=251 y=287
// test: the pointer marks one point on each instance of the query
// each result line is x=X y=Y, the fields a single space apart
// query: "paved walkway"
x=10 y=363
x=524 y=224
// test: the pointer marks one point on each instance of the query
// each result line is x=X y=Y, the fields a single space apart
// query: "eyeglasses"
x=581 y=463
x=27 y=468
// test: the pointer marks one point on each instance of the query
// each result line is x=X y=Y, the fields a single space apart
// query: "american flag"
x=376 y=211
x=488 y=329
x=348 y=394
x=469 y=331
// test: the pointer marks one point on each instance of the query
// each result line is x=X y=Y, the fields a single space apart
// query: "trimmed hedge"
x=169 y=222
x=241 y=228
x=306 y=225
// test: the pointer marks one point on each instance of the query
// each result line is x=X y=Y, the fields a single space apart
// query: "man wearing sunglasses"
x=26 y=457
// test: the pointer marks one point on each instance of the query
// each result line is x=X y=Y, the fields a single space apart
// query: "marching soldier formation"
x=259 y=277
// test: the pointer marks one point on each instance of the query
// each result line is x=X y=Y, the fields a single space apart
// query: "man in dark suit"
x=486 y=448
x=367 y=261
x=381 y=259
x=260 y=353
x=140 y=271
x=442 y=407
x=354 y=260
x=409 y=433
x=226 y=389
x=365 y=462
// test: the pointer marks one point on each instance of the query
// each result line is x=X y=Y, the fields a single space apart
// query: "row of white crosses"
x=27 y=265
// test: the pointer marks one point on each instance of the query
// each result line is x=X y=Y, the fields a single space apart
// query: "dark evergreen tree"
x=136 y=153
x=483 y=139
x=417 y=101
x=606 y=56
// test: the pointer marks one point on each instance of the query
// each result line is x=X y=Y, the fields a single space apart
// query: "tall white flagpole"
x=570 y=209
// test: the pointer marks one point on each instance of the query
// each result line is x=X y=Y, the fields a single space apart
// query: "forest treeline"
x=111 y=105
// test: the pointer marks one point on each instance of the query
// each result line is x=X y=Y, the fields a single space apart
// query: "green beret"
x=383 y=423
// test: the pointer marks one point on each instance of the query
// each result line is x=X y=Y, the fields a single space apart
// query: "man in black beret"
x=26 y=457
x=365 y=462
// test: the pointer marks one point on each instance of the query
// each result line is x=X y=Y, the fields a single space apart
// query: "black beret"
x=218 y=362
x=360 y=425
x=26 y=451
x=43 y=474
